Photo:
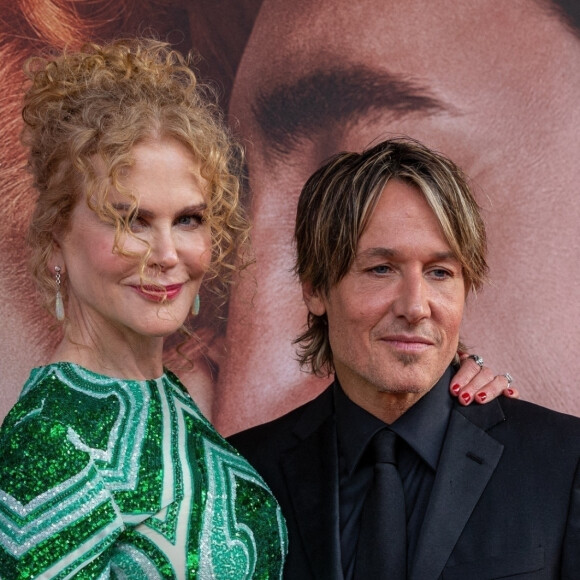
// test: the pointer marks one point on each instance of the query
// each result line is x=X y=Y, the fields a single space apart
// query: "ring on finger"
x=509 y=379
x=477 y=360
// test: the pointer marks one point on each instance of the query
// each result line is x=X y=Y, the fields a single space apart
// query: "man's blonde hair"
x=337 y=202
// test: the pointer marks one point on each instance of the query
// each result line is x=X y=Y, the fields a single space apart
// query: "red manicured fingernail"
x=455 y=388
x=481 y=396
x=466 y=397
x=510 y=392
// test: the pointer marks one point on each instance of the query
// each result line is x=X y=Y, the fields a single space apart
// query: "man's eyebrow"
x=328 y=97
x=378 y=252
x=391 y=253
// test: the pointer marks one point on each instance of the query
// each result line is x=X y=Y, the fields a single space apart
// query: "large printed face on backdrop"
x=493 y=85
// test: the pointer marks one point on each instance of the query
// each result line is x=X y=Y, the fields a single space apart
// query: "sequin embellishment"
x=103 y=478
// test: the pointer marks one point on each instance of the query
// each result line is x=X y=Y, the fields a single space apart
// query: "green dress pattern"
x=108 y=478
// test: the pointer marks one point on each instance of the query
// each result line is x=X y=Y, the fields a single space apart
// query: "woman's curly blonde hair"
x=93 y=106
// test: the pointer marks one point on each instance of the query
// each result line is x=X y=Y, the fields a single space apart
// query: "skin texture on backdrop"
x=492 y=86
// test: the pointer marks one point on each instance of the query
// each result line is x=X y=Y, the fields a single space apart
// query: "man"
x=389 y=244
x=491 y=84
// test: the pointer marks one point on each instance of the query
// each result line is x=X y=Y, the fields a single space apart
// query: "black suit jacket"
x=505 y=502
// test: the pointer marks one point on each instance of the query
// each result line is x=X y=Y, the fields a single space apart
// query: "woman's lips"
x=158 y=293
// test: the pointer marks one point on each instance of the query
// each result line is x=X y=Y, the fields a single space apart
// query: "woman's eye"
x=131 y=223
x=189 y=220
x=136 y=224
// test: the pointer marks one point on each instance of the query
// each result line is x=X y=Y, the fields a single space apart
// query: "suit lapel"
x=311 y=470
x=468 y=460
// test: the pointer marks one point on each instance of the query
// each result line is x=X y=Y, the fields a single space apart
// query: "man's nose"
x=412 y=302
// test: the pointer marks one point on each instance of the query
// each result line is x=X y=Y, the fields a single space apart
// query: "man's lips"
x=408 y=343
x=158 y=293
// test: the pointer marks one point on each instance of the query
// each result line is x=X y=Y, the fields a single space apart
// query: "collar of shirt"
x=422 y=427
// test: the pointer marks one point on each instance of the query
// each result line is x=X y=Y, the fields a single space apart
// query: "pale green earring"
x=58 y=304
x=195 y=306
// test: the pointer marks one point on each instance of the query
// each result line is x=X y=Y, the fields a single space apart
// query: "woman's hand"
x=473 y=381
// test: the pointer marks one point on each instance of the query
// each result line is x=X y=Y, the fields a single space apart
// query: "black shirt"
x=422 y=431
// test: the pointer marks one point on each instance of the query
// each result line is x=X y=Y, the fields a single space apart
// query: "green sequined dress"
x=107 y=478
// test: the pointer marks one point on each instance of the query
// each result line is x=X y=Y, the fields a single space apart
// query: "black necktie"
x=382 y=545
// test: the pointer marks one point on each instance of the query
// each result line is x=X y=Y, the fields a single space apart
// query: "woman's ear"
x=56 y=256
x=313 y=299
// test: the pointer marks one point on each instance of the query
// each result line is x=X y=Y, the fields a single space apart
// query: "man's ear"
x=313 y=299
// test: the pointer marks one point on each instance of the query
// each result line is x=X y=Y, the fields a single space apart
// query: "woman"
x=107 y=468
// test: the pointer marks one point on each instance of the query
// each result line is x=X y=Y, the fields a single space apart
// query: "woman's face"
x=105 y=291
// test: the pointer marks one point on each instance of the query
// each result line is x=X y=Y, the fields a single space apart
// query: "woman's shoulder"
x=68 y=395
x=53 y=490
x=68 y=419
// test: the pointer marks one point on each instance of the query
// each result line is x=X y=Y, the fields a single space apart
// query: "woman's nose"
x=163 y=250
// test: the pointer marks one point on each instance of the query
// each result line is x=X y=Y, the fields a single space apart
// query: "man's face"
x=494 y=85
x=394 y=318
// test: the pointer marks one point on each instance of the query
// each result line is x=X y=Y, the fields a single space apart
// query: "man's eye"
x=382 y=269
x=440 y=273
